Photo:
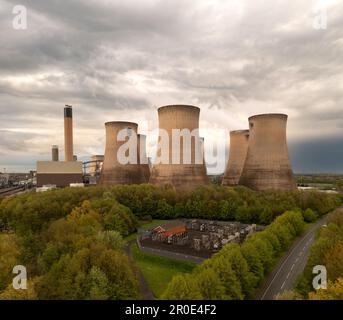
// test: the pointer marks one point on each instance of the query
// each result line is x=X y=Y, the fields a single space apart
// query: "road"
x=291 y=266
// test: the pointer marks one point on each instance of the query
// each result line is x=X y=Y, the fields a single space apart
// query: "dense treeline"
x=236 y=271
x=33 y=212
x=327 y=251
x=73 y=237
x=76 y=257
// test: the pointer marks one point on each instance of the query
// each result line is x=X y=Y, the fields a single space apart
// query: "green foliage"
x=72 y=237
x=183 y=287
x=240 y=269
x=310 y=216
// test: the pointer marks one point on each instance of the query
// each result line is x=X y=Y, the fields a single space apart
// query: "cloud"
x=120 y=60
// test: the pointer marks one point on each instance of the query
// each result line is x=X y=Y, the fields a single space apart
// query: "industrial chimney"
x=113 y=171
x=54 y=153
x=143 y=159
x=238 y=151
x=68 y=134
x=180 y=174
x=267 y=164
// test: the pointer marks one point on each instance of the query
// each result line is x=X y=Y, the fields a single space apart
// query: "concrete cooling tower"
x=238 y=151
x=143 y=159
x=175 y=169
x=113 y=171
x=267 y=164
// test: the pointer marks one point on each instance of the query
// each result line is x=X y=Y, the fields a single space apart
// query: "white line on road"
x=289 y=273
x=283 y=285
x=292 y=266
x=289 y=255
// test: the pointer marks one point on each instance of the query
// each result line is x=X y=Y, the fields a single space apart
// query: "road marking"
x=289 y=255
x=288 y=275
x=292 y=266
x=283 y=285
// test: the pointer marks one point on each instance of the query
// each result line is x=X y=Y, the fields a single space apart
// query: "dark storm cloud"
x=121 y=59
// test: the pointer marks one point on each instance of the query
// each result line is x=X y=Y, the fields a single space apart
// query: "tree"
x=182 y=287
x=98 y=284
x=210 y=285
x=309 y=215
x=334 y=291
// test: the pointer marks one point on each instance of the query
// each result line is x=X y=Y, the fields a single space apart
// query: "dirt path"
x=145 y=290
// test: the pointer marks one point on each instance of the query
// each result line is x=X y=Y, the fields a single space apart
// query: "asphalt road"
x=285 y=274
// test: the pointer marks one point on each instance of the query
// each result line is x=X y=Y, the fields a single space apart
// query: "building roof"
x=175 y=231
x=56 y=167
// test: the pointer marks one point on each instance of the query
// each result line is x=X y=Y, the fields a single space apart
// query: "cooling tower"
x=143 y=159
x=68 y=134
x=267 y=164
x=179 y=173
x=238 y=151
x=113 y=171
x=54 y=153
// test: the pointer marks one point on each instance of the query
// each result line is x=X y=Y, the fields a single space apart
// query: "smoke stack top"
x=68 y=111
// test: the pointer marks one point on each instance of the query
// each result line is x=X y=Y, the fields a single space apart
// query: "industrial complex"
x=258 y=156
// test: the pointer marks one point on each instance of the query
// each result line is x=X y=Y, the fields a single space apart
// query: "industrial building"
x=267 y=165
x=181 y=175
x=239 y=141
x=114 y=172
x=58 y=173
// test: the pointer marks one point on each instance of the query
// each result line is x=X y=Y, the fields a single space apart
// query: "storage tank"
x=113 y=171
x=143 y=159
x=182 y=174
x=239 y=140
x=267 y=164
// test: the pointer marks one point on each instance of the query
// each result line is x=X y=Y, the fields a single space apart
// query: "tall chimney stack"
x=54 y=152
x=68 y=134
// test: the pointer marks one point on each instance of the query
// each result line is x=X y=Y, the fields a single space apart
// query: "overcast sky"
x=120 y=60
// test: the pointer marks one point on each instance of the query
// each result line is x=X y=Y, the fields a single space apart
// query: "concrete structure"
x=68 y=134
x=143 y=159
x=239 y=141
x=113 y=171
x=180 y=175
x=267 y=164
x=60 y=174
x=96 y=164
x=54 y=153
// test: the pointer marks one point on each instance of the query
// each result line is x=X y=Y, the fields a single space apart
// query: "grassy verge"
x=158 y=271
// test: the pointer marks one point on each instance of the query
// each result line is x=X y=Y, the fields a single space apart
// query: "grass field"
x=158 y=271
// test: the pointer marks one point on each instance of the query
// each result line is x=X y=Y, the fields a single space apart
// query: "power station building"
x=59 y=173
x=239 y=142
x=267 y=164
x=114 y=169
x=172 y=168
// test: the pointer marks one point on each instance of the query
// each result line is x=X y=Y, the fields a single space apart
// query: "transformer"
x=267 y=165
